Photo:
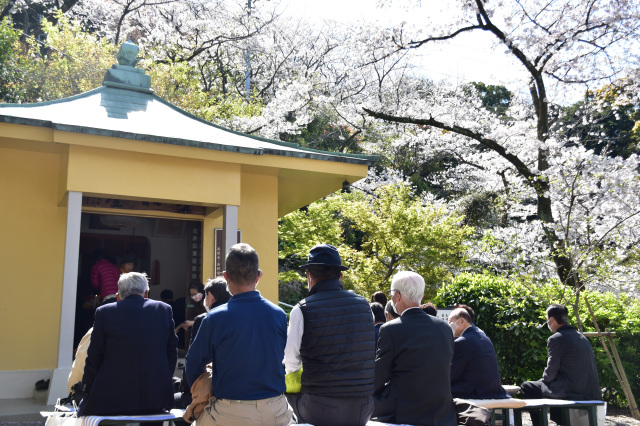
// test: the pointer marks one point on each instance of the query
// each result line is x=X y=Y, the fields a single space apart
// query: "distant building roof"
x=125 y=107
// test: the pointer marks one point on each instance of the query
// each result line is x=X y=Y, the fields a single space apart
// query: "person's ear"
x=146 y=294
x=118 y=297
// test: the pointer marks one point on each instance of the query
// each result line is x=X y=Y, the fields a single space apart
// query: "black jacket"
x=338 y=343
x=571 y=371
x=413 y=366
x=131 y=359
x=474 y=368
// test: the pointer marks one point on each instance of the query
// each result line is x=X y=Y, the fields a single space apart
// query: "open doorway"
x=169 y=251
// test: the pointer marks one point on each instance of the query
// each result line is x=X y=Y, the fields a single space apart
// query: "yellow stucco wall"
x=35 y=176
x=164 y=178
x=32 y=226
x=258 y=220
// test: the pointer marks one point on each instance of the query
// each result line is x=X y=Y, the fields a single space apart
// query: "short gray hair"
x=460 y=313
x=132 y=283
x=409 y=284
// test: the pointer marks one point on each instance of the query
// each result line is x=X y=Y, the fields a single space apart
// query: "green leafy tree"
x=73 y=61
x=180 y=84
x=494 y=98
x=324 y=134
x=312 y=225
x=12 y=64
x=402 y=233
x=378 y=235
x=603 y=123
x=299 y=231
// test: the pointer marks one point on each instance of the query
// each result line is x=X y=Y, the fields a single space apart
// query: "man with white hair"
x=413 y=361
x=132 y=354
x=474 y=368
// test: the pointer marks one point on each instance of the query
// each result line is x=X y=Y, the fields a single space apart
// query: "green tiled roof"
x=122 y=109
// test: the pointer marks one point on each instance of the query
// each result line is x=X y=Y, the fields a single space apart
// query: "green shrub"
x=622 y=315
x=509 y=313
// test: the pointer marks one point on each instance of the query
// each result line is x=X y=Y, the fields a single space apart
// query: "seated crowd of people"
x=340 y=360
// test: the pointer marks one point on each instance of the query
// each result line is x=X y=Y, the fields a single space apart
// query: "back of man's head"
x=430 y=309
x=166 y=295
x=322 y=272
x=133 y=283
x=390 y=311
x=241 y=265
x=218 y=288
x=410 y=285
x=467 y=308
x=559 y=313
x=460 y=313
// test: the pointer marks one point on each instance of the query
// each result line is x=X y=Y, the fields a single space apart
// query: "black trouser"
x=533 y=390
x=321 y=410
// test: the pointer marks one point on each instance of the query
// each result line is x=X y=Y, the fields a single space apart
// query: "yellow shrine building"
x=120 y=169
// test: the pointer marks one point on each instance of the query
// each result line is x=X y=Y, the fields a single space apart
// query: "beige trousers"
x=225 y=412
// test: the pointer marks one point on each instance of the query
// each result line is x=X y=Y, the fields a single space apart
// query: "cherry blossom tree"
x=558 y=208
x=557 y=43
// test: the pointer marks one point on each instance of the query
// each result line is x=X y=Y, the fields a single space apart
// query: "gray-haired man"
x=132 y=354
x=413 y=361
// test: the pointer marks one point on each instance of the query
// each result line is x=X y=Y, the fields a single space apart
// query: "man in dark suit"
x=413 y=361
x=132 y=354
x=571 y=371
x=474 y=368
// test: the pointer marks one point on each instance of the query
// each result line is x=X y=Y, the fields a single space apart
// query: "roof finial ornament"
x=128 y=54
x=124 y=74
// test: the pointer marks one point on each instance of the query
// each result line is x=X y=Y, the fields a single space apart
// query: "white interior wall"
x=171 y=253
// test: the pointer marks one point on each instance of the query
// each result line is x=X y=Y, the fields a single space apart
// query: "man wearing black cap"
x=331 y=337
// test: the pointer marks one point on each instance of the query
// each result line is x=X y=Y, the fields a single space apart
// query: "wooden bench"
x=170 y=417
x=499 y=408
x=542 y=406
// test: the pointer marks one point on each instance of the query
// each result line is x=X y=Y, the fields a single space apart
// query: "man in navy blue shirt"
x=245 y=340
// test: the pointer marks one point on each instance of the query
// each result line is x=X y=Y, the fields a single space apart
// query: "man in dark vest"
x=331 y=337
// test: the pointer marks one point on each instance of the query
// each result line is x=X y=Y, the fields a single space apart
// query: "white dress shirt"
x=292 y=359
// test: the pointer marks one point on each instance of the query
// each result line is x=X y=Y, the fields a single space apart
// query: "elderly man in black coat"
x=132 y=354
x=413 y=361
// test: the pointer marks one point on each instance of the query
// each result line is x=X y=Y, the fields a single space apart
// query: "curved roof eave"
x=142 y=115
